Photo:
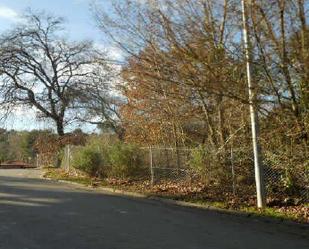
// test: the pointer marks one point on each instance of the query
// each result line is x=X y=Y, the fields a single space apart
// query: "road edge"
x=118 y=192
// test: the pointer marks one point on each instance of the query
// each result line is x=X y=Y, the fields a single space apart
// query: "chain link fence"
x=67 y=159
x=227 y=172
x=230 y=171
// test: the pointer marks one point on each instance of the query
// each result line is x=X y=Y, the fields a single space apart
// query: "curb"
x=185 y=204
x=123 y=192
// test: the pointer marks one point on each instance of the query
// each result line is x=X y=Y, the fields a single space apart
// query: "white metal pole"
x=258 y=167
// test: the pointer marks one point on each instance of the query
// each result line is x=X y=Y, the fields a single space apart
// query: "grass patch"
x=58 y=174
x=269 y=212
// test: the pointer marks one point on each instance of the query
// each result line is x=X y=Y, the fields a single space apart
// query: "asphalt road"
x=36 y=213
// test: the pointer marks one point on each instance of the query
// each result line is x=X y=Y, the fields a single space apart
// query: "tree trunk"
x=60 y=128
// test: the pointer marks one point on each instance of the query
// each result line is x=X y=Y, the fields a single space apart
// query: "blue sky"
x=76 y=12
x=80 y=26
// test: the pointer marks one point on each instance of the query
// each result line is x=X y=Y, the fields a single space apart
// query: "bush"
x=87 y=160
x=210 y=166
x=124 y=160
x=198 y=162
x=105 y=156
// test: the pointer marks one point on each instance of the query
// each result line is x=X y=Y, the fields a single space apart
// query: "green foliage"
x=105 y=156
x=101 y=144
x=124 y=160
x=198 y=160
x=88 y=160
x=287 y=181
x=18 y=145
x=289 y=165
x=4 y=145
x=205 y=165
x=209 y=165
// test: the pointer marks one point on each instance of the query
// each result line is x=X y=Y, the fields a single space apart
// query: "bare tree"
x=99 y=102
x=40 y=68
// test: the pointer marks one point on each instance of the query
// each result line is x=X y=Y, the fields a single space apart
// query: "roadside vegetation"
x=177 y=95
x=20 y=145
x=105 y=161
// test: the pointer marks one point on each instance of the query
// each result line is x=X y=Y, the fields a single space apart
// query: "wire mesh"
x=231 y=171
x=228 y=172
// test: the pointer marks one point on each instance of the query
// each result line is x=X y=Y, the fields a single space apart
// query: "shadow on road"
x=35 y=213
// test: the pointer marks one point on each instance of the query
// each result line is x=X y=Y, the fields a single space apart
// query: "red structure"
x=15 y=165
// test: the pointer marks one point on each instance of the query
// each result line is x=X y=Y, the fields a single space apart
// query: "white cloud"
x=111 y=51
x=8 y=13
x=115 y=53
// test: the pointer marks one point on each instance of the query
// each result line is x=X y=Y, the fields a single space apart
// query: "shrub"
x=197 y=162
x=124 y=160
x=87 y=160
x=105 y=156
x=210 y=166
x=102 y=145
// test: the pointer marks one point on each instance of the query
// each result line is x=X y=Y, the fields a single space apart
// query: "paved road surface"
x=38 y=214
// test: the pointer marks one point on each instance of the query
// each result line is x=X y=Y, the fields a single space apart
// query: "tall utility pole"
x=258 y=167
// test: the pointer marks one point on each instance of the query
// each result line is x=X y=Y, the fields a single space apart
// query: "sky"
x=76 y=13
x=79 y=25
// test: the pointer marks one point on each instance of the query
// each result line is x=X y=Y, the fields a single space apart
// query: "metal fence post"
x=37 y=160
x=151 y=167
x=233 y=172
x=69 y=157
